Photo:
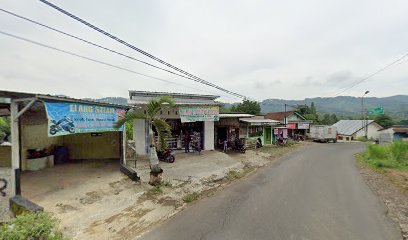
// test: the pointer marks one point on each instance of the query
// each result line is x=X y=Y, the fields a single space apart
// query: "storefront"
x=228 y=128
x=258 y=128
x=49 y=132
x=193 y=115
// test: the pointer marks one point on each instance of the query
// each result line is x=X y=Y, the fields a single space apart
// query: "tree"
x=4 y=127
x=162 y=128
x=384 y=120
x=326 y=119
x=247 y=106
x=333 y=119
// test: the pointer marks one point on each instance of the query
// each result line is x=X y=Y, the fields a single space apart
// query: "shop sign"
x=303 y=125
x=199 y=113
x=291 y=125
x=69 y=118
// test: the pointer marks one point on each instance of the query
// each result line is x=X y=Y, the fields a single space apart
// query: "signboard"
x=291 y=125
x=303 y=126
x=376 y=111
x=199 y=113
x=69 y=118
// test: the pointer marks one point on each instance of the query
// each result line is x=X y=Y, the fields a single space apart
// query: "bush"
x=41 y=226
x=393 y=155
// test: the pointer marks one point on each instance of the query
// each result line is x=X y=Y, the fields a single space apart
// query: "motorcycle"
x=65 y=124
x=166 y=156
x=238 y=146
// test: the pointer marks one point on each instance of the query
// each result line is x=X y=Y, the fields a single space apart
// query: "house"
x=349 y=130
x=191 y=113
x=294 y=121
x=394 y=133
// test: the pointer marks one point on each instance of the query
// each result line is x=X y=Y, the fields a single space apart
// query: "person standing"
x=225 y=145
x=186 y=142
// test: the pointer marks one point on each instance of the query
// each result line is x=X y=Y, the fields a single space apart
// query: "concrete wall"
x=139 y=136
x=5 y=156
x=36 y=136
x=86 y=146
x=372 y=132
x=208 y=135
x=6 y=191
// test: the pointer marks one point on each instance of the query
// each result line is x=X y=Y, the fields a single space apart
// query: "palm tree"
x=162 y=128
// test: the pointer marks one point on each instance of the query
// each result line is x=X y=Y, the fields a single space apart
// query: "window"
x=168 y=112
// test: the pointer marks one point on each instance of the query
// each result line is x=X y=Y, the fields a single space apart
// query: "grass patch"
x=156 y=189
x=393 y=156
x=39 y=225
x=232 y=175
x=190 y=197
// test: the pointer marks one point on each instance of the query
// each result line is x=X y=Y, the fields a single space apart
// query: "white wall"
x=208 y=135
x=372 y=132
x=139 y=136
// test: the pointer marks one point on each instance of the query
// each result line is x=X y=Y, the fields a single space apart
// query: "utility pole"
x=363 y=115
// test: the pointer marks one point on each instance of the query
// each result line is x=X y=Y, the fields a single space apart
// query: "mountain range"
x=343 y=106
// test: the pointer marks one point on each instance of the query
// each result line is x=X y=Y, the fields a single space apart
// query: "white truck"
x=323 y=133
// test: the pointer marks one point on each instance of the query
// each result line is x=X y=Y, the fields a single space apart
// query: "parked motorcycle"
x=166 y=156
x=238 y=146
x=66 y=124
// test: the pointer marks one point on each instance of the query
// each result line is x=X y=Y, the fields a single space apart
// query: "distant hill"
x=344 y=106
x=113 y=100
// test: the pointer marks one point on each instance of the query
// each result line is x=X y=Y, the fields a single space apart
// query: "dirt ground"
x=392 y=187
x=94 y=200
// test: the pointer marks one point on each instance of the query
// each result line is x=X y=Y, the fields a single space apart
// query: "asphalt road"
x=315 y=193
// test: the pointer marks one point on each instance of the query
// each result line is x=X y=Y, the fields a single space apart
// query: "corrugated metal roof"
x=349 y=127
x=257 y=120
x=133 y=93
x=238 y=115
x=19 y=95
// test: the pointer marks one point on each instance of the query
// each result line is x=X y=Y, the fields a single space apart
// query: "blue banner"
x=69 y=118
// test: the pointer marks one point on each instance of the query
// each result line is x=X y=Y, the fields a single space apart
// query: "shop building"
x=191 y=113
x=296 y=124
x=48 y=132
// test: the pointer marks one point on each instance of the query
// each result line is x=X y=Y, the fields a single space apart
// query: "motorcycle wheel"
x=53 y=131
x=71 y=130
x=172 y=159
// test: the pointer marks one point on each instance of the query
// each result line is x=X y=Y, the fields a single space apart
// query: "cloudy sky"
x=261 y=49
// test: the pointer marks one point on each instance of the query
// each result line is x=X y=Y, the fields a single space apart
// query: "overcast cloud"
x=261 y=49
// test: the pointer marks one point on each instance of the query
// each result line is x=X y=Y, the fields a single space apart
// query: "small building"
x=192 y=113
x=294 y=121
x=394 y=133
x=258 y=127
x=228 y=128
x=349 y=130
x=53 y=132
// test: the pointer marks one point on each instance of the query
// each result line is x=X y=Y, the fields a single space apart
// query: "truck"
x=323 y=133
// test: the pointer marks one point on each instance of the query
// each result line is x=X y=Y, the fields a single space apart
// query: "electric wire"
x=95 y=60
x=197 y=79
x=91 y=43
x=373 y=74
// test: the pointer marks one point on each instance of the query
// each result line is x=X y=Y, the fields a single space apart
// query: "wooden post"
x=15 y=148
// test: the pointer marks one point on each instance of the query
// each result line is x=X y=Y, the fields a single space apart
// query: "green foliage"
x=247 y=106
x=33 y=226
x=224 y=109
x=191 y=197
x=384 y=120
x=157 y=189
x=393 y=155
x=4 y=127
x=129 y=130
x=153 y=107
x=403 y=122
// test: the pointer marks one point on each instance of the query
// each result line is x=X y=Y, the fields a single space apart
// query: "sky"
x=291 y=49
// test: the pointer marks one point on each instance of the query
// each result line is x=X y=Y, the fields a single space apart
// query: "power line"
x=94 y=60
x=373 y=74
x=197 y=79
x=91 y=43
